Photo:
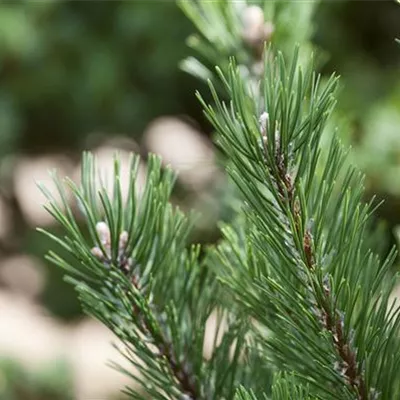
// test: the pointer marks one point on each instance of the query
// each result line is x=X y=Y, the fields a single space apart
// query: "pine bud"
x=123 y=240
x=263 y=121
x=253 y=21
x=97 y=253
x=268 y=30
x=258 y=68
x=255 y=30
x=104 y=233
x=185 y=397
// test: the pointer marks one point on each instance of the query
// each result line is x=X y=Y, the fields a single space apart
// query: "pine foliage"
x=301 y=302
x=136 y=273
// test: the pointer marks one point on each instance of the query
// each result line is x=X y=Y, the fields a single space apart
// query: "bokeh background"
x=104 y=75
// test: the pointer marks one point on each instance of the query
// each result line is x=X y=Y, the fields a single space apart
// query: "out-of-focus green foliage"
x=70 y=68
x=51 y=383
x=359 y=41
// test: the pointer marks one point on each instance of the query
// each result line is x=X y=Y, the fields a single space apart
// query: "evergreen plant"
x=301 y=300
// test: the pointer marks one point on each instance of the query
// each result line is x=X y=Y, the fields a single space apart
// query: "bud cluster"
x=104 y=254
x=263 y=126
x=256 y=30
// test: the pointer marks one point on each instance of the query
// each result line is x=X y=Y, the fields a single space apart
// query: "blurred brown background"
x=103 y=75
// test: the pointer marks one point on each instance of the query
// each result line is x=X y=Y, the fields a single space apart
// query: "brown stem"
x=349 y=367
x=126 y=265
x=179 y=370
x=331 y=318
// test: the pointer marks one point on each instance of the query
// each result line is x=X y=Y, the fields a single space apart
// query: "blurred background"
x=104 y=75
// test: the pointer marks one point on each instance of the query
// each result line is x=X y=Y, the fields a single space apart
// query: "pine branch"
x=240 y=29
x=165 y=348
x=330 y=318
x=307 y=264
x=142 y=281
x=304 y=308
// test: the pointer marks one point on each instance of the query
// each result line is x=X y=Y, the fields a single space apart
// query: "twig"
x=165 y=350
x=179 y=370
x=331 y=319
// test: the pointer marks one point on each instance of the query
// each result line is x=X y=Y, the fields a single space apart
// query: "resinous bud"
x=123 y=240
x=104 y=232
x=263 y=121
x=97 y=253
x=253 y=21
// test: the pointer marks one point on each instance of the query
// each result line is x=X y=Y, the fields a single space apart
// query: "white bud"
x=253 y=21
x=123 y=240
x=104 y=233
x=97 y=253
x=255 y=29
x=263 y=120
x=268 y=30
x=258 y=68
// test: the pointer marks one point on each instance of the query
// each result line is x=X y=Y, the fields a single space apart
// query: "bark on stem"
x=330 y=318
